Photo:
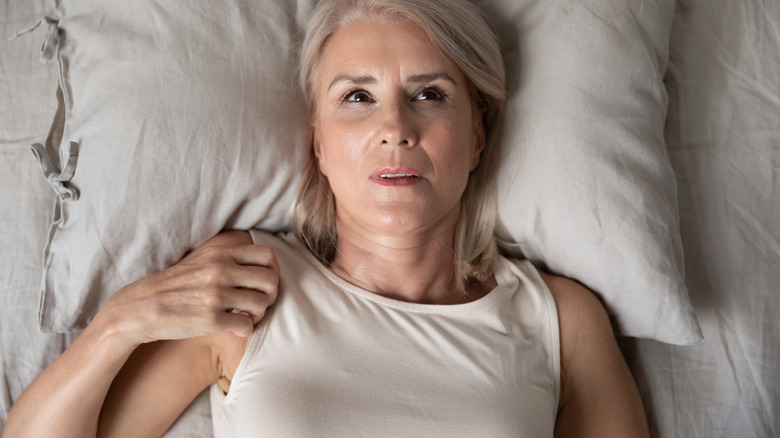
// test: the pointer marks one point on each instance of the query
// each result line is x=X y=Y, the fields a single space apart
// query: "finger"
x=226 y=274
x=241 y=325
x=261 y=279
x=257 y=255
x=248 y=301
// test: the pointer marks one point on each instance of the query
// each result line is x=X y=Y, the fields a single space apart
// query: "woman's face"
x=395 y=131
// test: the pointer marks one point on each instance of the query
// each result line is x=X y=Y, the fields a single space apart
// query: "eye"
x=357 y=96
x=431 y=93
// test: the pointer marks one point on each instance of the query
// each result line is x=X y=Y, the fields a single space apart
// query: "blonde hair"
x=460 y=31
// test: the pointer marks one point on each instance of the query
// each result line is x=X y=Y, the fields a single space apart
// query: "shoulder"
x=580 y=312
x=598 y=395
x=583 y=323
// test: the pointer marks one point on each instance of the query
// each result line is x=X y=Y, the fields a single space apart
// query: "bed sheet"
x=723 y=135
x=723 y=132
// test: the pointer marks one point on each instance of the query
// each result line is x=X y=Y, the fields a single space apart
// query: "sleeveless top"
x=332 y=359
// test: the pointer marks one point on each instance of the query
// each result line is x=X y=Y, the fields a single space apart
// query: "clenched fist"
x=225 y=285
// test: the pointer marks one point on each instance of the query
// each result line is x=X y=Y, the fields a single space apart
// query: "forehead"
x=383 y=47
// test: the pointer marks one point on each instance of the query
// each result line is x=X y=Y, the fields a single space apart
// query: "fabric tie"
x=58 y=179
x=52 y=42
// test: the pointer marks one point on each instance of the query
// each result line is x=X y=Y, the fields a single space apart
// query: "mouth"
x=396 y=177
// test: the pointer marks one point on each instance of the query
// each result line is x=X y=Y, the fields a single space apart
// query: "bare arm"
x=161 y=378
x=192 y=300
x=598 y=395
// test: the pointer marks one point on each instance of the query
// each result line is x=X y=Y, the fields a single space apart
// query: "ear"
x=478 y=138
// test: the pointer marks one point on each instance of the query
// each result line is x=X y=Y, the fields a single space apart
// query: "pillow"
x=587 y=189
x=180 y=119
x=183 y=120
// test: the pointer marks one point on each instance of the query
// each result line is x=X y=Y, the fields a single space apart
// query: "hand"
x=225 y=285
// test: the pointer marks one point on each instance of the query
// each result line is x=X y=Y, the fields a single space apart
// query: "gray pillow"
x=185 y=119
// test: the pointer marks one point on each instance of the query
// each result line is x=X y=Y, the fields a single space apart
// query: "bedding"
x=177 y=122
x=722 y=135
x=586 y=188
x=25 y=202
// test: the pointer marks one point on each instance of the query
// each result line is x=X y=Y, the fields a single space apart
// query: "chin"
x=393 y=224
x=396 y=224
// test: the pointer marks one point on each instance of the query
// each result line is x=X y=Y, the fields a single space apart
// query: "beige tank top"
x=331 y=359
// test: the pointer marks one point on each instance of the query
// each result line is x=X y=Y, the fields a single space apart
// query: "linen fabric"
x=586 y=188
x=331 y=359
x=178 y=120
x=722 y=131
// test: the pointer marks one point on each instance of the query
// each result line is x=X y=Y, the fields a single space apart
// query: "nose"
x=398 y=125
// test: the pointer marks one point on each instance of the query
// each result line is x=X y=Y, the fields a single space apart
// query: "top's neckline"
x=499 y=271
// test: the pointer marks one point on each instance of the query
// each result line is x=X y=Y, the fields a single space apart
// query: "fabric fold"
x=58 y=177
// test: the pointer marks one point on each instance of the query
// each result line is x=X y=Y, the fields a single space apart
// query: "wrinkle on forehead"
x=362 y=39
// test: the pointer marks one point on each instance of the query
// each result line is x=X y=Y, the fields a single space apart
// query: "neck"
x=417 y=268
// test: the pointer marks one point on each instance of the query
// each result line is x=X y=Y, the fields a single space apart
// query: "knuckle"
x=211 y=252
x=271 y=280
x=213 y=297
x=266 y=253
x=273 y=289
x=211 y=273
x=274 y=264
x=261 y=300
x=270 y=297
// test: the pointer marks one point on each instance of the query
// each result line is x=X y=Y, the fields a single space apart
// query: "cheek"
x=340 y=151
x=456 y=149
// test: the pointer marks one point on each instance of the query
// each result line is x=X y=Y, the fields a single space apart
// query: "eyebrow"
x=362 y=80
x=430 y=77
x=355 y=80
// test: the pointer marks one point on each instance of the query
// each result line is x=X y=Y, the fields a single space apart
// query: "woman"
x=396 y=314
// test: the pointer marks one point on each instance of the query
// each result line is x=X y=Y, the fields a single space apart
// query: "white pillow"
x=586 y=188
x=188 y=120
